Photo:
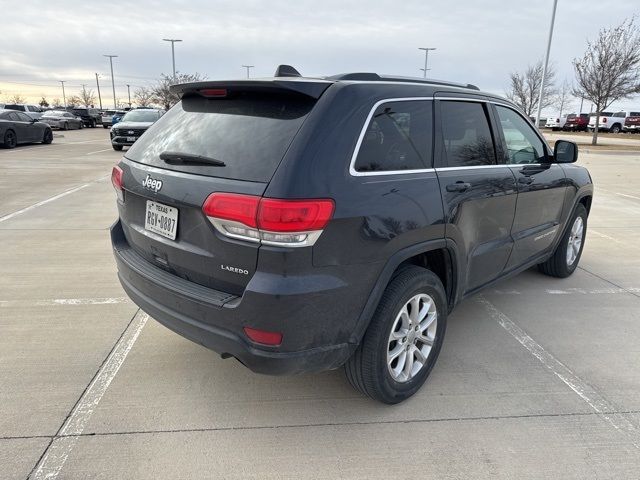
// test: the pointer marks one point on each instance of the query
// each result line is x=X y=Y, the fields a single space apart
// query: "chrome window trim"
x=354 y=173
x=363 y=131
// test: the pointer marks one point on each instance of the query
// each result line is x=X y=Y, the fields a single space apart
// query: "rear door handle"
x=525 y=180
x=458 y=187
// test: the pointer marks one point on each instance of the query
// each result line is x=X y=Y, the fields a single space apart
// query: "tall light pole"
x=546 y=62
x=173 y=53
x=426 y=59
x=64 y=98
x=113 y=83
x=248 y=67
x=129 y=94
x=98 y=85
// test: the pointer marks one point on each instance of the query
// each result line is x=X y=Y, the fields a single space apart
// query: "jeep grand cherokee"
x=302 y=224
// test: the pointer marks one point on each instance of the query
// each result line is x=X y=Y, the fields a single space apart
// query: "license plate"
x=161 y=219
x=131 y=139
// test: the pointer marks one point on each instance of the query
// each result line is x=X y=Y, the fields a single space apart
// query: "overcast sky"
x=477 y=41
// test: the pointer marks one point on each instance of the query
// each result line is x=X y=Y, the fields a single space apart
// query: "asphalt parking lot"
x=538 y=377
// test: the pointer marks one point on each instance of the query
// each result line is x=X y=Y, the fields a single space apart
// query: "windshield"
x=249 y=133
x=80 y=111
x=141 y=116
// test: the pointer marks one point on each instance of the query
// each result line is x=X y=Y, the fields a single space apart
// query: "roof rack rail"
x=374 y=77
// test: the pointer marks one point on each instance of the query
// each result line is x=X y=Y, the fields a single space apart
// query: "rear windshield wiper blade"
x=187 y=158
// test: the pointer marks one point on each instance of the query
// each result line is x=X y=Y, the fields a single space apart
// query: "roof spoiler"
x=305 y=86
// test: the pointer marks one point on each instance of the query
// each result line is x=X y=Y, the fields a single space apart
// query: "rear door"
x=31 y=129
x=541 y=187
x=479 y=196
x=247 y=134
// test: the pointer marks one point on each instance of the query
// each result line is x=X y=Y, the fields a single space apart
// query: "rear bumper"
x=631 y=128
x=216 y=319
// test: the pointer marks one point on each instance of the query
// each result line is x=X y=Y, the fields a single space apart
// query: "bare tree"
x=17 y=98
x=610 y=68
x=43 y=102
x=143 y=96
x=162 y=93
x=87 y=97
x=73 y=101
x=563 y=97
x=524 y=89
x=56 y=103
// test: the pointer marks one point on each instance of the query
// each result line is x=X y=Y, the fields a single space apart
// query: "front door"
x=478 y=194
x=541 y=187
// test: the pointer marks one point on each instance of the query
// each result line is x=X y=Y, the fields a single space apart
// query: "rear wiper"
x=187 y=158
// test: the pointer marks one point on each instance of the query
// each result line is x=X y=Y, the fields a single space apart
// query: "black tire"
x=615 y=129
x=47 y=138
x=105 y=126
x=93 y=124
x=81 y=126
x=558 y=265
x=117 y=147
x=65 y=126
x=367 y=370
x=10 y=139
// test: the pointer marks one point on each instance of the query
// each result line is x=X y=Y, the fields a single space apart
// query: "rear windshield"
x=634 y=114
x=249 y=132
x=80 y=111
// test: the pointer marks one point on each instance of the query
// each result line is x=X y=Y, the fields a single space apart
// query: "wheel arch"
x=439 y=256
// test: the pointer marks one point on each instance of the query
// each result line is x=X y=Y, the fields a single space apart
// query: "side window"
x=523 y=145
x=466 y=134
x=398 y=137
x=23 y=117
x=14 y=117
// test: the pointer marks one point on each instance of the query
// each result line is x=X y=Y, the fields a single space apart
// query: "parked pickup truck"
x=609 y=122
x=632 y=122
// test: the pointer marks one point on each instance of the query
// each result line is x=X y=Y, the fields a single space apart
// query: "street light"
x=64 y=98
x=113 y=83
x=98 y=85
x=173 y=53
x=546 y=62
x=426 y=59
x=248 y=67
x=129 y=94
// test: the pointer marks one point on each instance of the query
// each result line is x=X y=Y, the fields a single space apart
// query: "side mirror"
x=565 y=151
x=34 y=120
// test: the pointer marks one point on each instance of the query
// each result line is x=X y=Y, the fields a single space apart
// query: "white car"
x=609 y=122
x=556 y=123
x=34 y=111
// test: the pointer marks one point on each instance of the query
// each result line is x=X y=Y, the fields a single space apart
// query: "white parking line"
x=100 y=151
x=64 y=301
x=595 y=400
x=575 y=291
x=51 y=199
x=58 y=451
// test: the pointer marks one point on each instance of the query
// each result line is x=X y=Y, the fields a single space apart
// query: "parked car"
x=609 y=122
x=17 y=127
x=252 y=225
x=132 y=126
x=577 y=122
x=33 y=111
x=62 y=119
x=107 y=118
x=117 y=117
x=556 y=123
x=90 y=116
x=632 y=122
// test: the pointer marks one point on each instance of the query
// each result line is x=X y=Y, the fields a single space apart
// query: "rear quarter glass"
x=249 y=132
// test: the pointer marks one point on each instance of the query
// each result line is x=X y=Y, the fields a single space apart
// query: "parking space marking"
x=50 y=199
x=100 y=151
x=618 y=193
x=600 y=234
x=576 y=291
x=598 y=403
x=55 y=456
x=64 y=301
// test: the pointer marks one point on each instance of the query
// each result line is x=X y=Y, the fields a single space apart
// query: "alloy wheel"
x=575 y=240
x=412 y=337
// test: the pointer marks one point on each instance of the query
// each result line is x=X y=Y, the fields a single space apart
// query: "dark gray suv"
x=303 y=224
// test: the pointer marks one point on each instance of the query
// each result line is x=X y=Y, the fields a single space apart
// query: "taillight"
x=604 y=120
x=294 y=223
x=116 y=180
